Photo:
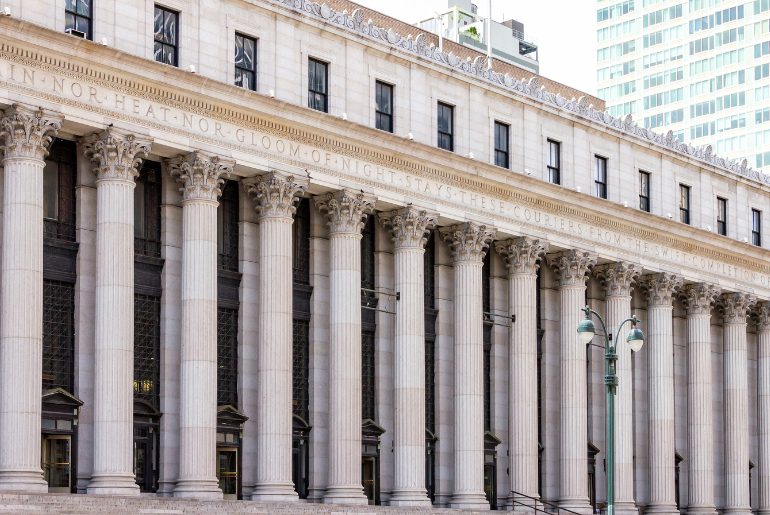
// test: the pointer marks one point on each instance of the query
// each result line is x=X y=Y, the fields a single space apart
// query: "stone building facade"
x=249 y=270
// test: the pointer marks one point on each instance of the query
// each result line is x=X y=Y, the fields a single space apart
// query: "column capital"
x=468 y=241
x=761 y=315
x=572 y=266
x=28 y=132
x=522 y=254
x=200 y=174
x=660 y=288
x=618 y=278
x=735 y=306
x=409 y=226
x=115 y=154
x=346 y=210
x=698 y=298
x=276 y=194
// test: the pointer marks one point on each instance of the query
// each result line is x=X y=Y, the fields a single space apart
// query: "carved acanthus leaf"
x=698 y=299
x=660 y=288
x=409 y=227
x=618 y=278
x=28 y=132
x=523 y=254
x=276 y=194
x=346 y=210
x=468 y=241
x=572 y=266
x=735 y=306
x=116 y=154
x=200 y=175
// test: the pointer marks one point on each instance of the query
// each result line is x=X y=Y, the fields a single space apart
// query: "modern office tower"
x=700 y=68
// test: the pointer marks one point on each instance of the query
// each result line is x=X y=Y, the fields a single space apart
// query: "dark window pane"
x=227 y=356
x=147 y=349
x=501 y=145
x=317 y=85
x=58 y=334
x=384 y=106
x=445 y=124
x=245 y=61
x=165 y=28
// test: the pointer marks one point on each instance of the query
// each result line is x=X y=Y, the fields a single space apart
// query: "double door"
x=57 y=462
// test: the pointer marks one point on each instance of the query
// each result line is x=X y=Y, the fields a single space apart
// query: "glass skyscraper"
x=700 y=68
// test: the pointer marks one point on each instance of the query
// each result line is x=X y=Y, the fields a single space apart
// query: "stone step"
x=87 y=504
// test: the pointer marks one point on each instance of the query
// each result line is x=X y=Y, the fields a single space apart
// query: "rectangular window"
x=644 y=191
x=600 y=177
x=245 y=62
x=502 y=144
x=384 y=109
x=722 y=216
x=318 y=85
x=684 y=204
x=166 y=36
x=446 y=126
x=77 y=18
x=756 y=227
x=554 y=161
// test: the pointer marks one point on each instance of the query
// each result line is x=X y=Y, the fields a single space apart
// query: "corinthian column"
x=409 y=227
x=275 y=195
x=468 y=243
x=346 y=212
x=698 y=300
x=26 y=135
x=116 y=156
x=572 y=267
x=660 y=289
x=522 y=257
x=735 y=308
x=618 y=279
x=200 y=177
x=763 y=405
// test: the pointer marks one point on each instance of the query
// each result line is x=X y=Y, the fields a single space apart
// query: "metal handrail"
x=540 y=501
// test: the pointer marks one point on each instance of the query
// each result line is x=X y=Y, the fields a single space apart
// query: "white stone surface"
x=200 y=177
x=346 y=212
x=275 y=196
x=468 y=243
x=116 y=156
x=26 y=134
x=763 y=407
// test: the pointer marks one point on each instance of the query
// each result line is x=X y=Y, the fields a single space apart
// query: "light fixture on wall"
x=6 y=11
x=577 y=188
x=528 y=171
x=670 y=216
x=469 y=155
x=410 y=136
x=344 y=116
x=271 y=93
x=104 y=41
x=191 y=68
x=708 y=228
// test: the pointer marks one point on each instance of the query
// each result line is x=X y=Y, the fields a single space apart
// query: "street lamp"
x=635 y=338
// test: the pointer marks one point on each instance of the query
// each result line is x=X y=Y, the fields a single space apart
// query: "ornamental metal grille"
x=227 y=228
x=147 y=349
x=430 y=333
x=485 y=281
x=368 y=386
x=301 y=369
x=59 y=191
x=227 y=356
x=301 y=243
x=58 y=334
x=368 y=297
x=147 y=199
x=430 y=384
x=430 y=272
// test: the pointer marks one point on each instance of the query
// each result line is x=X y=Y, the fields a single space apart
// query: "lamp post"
x=635 y=339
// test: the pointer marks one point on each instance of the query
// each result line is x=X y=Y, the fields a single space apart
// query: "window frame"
x=684 y=203
x=384 y=115
x=644 y=191
x=554 y=171
x=756 y=227
x=175 y=45
x=89 y=19
x=721 y=216
x=439 y=133
x=313 y=95
x=255 y=63
x=503 y=153
x=600 y=186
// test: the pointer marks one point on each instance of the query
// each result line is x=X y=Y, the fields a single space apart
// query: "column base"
x=112 y=484
x=345 y=495
x=418 y=497
x=626 y=508
x=744 y=510
x=523 y=504
x=274 y=492
x=578 y=505
x=27 y=481
x=662 y=509
x=701 y=510
x=469 y=501
x=202 y=489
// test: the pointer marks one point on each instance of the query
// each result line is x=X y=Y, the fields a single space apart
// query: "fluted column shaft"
x=346 y=213
x=200 y=177
x=409 y=228
x=660 y=289
x=522 y=257
x=26 y=136
x=275 y=195
x=572 y=267
x=763 y=406
x=618 y=279
x=468 y=243
x=116 y=157
x=735 y=308
x=698 y=300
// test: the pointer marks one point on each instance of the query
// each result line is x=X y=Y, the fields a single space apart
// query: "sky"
x=563 y=30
